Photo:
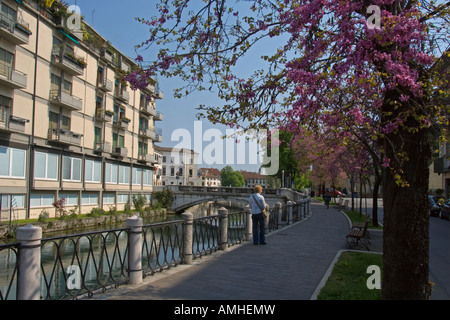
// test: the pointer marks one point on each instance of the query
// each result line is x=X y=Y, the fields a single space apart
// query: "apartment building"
x=179 y=166
x=253 y=179
x=69 y=126
x=210 y=177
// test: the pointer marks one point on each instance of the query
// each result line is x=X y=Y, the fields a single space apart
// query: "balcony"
x=159 y=116
x=105 y=85
x=120 y=152
x=122 y=95
x=12 y=78
x=66 y=100
x=104 y=115
x=64 y=136
x=122 y=124
x=106 y=55
x=15 y=31
x=145 y=157
x=67 y=61
x=147 y=133
x=158 y=136
x=11 y=123
x=441 y=165
x=102 y=147
x=148 y=110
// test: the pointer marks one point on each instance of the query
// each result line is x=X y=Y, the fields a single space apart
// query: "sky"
x=115 y=21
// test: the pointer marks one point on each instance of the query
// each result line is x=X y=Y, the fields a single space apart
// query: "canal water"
x=98 y=254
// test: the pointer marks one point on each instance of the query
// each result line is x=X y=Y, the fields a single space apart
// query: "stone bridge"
x=188 y=196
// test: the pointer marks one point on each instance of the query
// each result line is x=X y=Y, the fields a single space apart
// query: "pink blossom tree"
x=325 y=62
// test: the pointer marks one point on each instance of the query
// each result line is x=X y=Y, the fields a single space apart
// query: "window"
x=137 y=176
x=54 y=120
x=92 y=171
x=122 y=198
x=46 y=166
x=41 y=200
x=111 y=173
x=142 y=148
x=147 y=177
x=71 y=169
x=8 y=13
x=108 y=198
x=15 y=201
x=118 y=140
x=89 y=198
x=71 y=198
x=6 y=62
x=124 y=175
x=12 y=162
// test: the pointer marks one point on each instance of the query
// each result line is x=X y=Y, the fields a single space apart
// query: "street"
x=439 y=250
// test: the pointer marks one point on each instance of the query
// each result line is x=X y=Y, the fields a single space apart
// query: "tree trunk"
x=406 y=225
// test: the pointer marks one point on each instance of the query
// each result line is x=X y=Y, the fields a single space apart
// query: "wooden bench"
x=357 y=235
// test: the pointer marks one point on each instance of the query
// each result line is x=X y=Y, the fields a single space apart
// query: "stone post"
x=279 y=209
x=289 y=215
x=135 y=249
x=223 y=229
x=29 y=269
x=248 y=225
x=188 y=235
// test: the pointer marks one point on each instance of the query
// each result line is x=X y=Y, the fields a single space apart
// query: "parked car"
x=434 y=207
x=444 y=213
x=333 y=192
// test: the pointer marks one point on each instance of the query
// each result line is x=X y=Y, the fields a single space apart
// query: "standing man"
x=257 y=204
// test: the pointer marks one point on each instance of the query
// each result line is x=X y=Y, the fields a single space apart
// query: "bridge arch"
x=188 y=196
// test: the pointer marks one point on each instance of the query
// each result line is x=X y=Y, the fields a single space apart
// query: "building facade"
x=69 y=126
x=179 y=166
x=210 y=177
x=253 y=179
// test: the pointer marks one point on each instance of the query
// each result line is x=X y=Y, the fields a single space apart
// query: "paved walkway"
x=289 y=267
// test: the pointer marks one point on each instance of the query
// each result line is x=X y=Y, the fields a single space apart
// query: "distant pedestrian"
x=257 y=204
x=327 y=199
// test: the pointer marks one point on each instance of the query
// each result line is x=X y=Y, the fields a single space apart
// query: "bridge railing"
x=72 y=266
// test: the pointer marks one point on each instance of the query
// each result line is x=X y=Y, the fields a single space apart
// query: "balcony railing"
x=120 y=151
x=159 y=116
x=102 y=147
x=104 y=115
x=15 y=31
x=12 y=78
x=106 y=55
x=64 y=136
x=11 y=123
x=105 y=85
x=122 y=95
x=147 y=133
x=67 y=61
x=67 y=100
x=121 y=124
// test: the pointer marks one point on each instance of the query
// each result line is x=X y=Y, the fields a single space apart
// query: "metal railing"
x=83 y=264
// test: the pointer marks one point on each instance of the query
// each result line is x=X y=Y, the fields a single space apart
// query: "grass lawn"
x=348 y=280
x=356 y=217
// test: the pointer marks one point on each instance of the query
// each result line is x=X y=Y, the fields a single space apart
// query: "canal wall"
x=80 y=223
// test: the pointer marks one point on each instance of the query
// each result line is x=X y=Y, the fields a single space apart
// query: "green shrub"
x=165 y=198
